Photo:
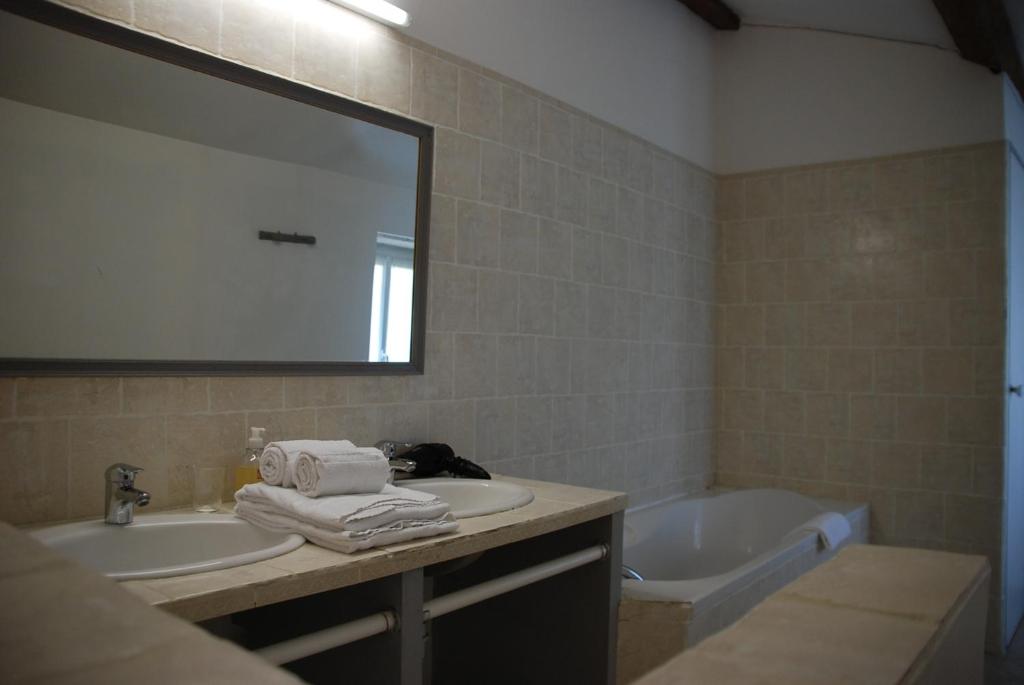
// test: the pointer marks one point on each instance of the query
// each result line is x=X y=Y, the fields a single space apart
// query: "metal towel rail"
x=386 y=621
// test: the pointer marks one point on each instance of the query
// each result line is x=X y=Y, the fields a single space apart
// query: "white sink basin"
x=469 y=498
x=166 y=544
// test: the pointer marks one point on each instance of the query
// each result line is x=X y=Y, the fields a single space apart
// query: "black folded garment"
x=434 y=457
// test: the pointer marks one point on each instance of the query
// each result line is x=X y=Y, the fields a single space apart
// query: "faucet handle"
x=122 y=473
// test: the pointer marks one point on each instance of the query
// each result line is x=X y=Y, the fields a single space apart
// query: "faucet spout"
x=122 y=495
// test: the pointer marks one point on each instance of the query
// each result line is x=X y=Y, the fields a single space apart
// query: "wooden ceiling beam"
x=984 y=34
x=714 y=12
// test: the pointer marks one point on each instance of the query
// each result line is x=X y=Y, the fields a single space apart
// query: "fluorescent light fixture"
x=377 y=9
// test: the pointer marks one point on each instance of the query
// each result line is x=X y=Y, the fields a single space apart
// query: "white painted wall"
x=784 y=97
x=644 y=65
x=123 y=244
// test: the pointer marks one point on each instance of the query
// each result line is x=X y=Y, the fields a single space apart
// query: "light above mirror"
x=377 y=9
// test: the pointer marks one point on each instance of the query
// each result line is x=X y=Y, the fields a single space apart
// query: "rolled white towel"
x=357 y=471
x=277 y=463
x=832 y=528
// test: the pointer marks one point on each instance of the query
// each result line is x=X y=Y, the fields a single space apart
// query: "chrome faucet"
x=122 y=497
x=392 y=449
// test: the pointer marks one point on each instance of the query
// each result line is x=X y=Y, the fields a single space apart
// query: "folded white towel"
x=347 y=512
x=277 y=463
x=345 y=540
x=357 y=471
x=832 y=528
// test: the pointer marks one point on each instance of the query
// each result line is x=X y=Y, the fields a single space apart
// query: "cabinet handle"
x=1015 y=390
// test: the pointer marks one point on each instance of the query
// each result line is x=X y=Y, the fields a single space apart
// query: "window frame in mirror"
x=129 y=39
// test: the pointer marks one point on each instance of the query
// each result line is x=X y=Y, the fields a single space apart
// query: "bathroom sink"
x=163 y=545
x=469 y=498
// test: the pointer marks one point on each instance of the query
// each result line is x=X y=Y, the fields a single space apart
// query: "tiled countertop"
x=310 y=569
x=871 y=614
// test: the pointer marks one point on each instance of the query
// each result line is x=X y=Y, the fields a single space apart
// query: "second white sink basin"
x=469 y=497
x=163 y=545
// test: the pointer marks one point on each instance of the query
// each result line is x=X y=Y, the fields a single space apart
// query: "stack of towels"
x=338 y=496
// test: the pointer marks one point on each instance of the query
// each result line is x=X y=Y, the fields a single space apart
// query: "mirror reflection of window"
x=391 y=312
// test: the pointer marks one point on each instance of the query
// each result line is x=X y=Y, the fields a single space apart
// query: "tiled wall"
x=860 y=327
x=570 y=315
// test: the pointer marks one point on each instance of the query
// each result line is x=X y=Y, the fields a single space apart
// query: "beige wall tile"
x=851 y=187
x=874 y=324
x=899 y=182
x=435 y=88
x=555 y=134
x=475 y=372
x=384 y=75
x=34 y=455
x=895 y=465
x=538 y=186
x=898 y=276
x=453 y=298
x=828 y=414
x=898 y=371
x=807 y=280
x=498 y=302
x=947 y=371
x=519 y=120
x=457 y=164
x=744 y=325
x=763 y=196
x=803 y=457
x=95 y=444
x=850 y=370
x=921 y=419
x=477 y=241
x=555 y=249
x=765 y=281
x=827 y=324
x=873 y=417
x=742 y=409
x=947 y=468
x=114 y=9
x=847 y=461
x=233 y=394
x=743 y=241
x=479 y=105
x=976 y=420
x=827 y=235
x=784 y=412
x=361 y=425
x=806 y=368
x=949 y=274
x=193 y=22
x=925 y=323
x=67 y=396
x=572 y=197
x=499 y=175
x=293 y=424
x=259 y=33
x=166 y=395
x=316 y=391
x=730 y=282
x=784 y=238
x=805 y=192
x=765 y=368
x=784 y=324
x=7 y=388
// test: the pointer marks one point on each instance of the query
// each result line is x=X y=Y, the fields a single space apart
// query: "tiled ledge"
x=873 y=614
x=310 y=569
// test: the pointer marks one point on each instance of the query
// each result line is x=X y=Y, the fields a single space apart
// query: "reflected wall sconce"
x=381 y=10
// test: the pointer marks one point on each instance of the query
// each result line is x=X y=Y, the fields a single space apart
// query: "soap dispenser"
x=249 y=470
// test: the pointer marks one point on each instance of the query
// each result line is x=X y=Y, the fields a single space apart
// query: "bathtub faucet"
x=631 y=573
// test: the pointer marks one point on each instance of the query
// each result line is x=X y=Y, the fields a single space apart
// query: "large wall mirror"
x=166 y=212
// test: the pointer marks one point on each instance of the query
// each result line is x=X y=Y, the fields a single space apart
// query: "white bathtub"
x=708 y=560
x=690 y=549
